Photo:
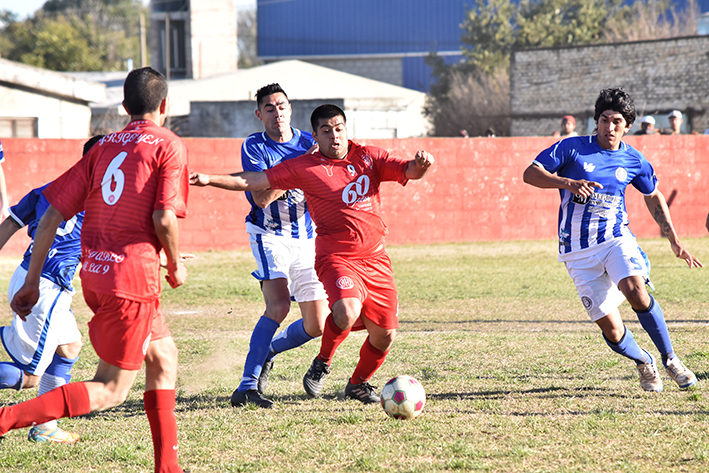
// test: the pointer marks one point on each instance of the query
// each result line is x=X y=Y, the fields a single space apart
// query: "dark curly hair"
x=616 y=100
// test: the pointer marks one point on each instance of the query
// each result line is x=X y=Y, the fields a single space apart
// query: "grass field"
x=517 y=378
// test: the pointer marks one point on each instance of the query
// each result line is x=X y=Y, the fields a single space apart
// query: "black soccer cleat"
x=263 y=377
x=251 y=396
x=314 y=379
x=364 y=393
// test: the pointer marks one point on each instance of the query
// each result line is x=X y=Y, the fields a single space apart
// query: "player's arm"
x=240 y=181
x=8 y=227
x=165 y=223
x=418 y=166
x=4 y=203
x=657 y=205
x=28 y=294
x=537 y=176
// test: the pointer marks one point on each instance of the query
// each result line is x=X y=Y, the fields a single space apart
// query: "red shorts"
x=369 y=279
x=121 y=329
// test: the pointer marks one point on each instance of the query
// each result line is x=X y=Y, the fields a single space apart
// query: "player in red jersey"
x=133 y=186
x=341 y=185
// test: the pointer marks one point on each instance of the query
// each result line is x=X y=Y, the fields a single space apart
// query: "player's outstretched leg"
x=653 y=321
x=247 y=392
x=358 y=387
x=58 y=374
x=292 y=337
x=647 y=368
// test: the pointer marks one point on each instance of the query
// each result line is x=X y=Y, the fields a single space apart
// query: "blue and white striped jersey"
x=585 y=223
x=287 y=216
x=65 y=254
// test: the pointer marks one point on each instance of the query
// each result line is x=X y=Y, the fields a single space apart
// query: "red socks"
x=370 y=359
x=160 y=409
x=70 y=400
x=332 y=337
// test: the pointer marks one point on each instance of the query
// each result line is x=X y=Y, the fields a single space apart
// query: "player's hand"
x=183 y=257
x=313 y=149
x=177 y=277
x=24 y=300
x=423 y=159
x=680 y=251
x=583 y=187
x=199 y=179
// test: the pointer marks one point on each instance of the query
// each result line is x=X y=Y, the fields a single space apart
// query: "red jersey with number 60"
x=343 y=195
x=119 y=183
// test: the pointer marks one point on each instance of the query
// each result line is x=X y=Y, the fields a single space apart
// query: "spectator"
x=568 y=125
x=647 y=126
x=490 y=133
x=463 y=134
x=675 y=118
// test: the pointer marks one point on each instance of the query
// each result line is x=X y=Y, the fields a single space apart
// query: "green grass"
x=517 y=378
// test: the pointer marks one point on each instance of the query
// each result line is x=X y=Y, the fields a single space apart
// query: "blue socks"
x=57 y=374
x=258 y=349
x=629 y=348
x=11 y=377
x=292 y=337
x=653 y=321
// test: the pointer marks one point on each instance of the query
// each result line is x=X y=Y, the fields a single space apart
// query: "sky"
x=25 y=8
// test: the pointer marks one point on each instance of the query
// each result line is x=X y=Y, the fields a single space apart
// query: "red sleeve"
x=283 y=175
x=390 y=168
x=68 y=192
x=173 y=181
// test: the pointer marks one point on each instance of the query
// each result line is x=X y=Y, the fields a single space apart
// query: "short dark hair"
x=144 y=90
x=616 y=100
x=90 y=142
x=326 y=111
x=267 y=90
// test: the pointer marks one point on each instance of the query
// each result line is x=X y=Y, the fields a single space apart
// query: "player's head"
x=614 y=114
x=617 y=100
x=330 y=130
x=144 y=91
x=90 y=142
x=274 y=110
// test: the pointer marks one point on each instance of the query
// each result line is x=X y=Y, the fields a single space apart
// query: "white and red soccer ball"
x=403 y=397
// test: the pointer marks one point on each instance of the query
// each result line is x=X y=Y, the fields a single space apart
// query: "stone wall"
x=660 y=75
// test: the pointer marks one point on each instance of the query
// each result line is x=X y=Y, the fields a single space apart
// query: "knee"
x=384 y=341
x=277 y=310
x=72 y=350
x=109 y=396
x=615 y=334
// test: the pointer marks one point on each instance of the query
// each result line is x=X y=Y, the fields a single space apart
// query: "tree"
x=494 y=28
x=76 y=35
x=246 y=38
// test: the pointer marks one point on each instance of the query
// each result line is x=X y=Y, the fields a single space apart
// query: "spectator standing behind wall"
x=647 y=126
x=568 y=125
x=675 y=118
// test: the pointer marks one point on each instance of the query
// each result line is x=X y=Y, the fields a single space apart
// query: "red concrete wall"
x=474 y=192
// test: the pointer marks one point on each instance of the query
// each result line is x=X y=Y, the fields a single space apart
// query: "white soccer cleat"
x=649 y=377
x=680 y=373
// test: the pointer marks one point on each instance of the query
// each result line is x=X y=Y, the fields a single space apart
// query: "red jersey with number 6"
x=119 y=183
x=343 y=195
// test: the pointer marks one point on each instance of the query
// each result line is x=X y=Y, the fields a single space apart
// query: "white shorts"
x=31 y=344
x=283 y=257
x=597 y=276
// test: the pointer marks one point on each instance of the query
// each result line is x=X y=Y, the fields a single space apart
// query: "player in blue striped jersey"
x=282 y=239
x=596 y=244
x=44 y=345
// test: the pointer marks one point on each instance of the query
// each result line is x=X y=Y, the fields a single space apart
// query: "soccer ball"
x=403 y=397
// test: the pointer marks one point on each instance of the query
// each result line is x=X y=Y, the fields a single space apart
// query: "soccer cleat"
x=314 y=379
x=365 y=393
x=680 y=373
x=251 y=396
x=57 y=435
x=263 y=377
x=649 y=377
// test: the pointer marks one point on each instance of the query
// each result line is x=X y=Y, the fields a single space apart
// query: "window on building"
x=18 y=127
x=176 y=49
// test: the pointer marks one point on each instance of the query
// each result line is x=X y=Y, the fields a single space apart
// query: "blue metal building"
x=380 y=39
